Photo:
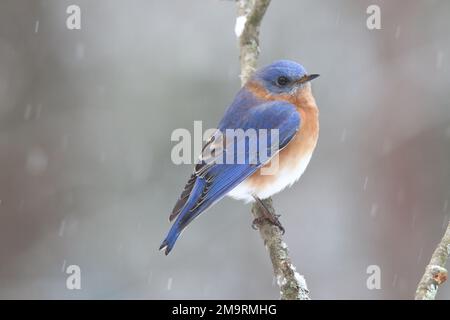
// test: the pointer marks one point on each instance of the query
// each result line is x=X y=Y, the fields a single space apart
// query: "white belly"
x=285 y=177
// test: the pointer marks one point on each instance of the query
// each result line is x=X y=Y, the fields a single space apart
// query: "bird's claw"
x=257 y=222
x=278 y=224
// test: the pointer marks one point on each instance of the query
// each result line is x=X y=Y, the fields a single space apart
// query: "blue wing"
x=212 y=180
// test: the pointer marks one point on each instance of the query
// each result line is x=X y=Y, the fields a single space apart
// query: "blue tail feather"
x=184 y=217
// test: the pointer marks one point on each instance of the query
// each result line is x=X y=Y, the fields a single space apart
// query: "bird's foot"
x=267 y=215
x=257 y=222
x=273 y=219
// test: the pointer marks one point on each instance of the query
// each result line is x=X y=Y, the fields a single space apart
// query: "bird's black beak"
x=307 y=78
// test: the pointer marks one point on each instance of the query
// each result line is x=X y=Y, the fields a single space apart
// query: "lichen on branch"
x=435 y=272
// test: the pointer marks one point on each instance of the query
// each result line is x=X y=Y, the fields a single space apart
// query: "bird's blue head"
x=283 y=76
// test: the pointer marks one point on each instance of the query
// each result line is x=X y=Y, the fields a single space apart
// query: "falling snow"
x=439 y=59
x=21 y=204
x=27 y=114
x=398 y=31
x=420 y=255
x=79 y=51
x=413 y=221
x=374 y=210
x=36 y=162
x=344 y=135
x=446 y=221
x=338 y=19
x=62 y=228
x=38 y=111
x=64 y=141
x=394 y=281
x=366 y=180
x=102 y=157
x=36 y=27
x=169 y=284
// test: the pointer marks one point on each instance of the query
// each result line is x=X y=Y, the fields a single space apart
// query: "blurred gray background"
x=86 y=176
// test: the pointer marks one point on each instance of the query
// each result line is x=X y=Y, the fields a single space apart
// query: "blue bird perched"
x=277 y=98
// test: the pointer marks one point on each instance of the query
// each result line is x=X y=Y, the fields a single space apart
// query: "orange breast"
x=303 y=143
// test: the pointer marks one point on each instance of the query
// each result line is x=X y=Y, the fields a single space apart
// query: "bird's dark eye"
x=282 y=81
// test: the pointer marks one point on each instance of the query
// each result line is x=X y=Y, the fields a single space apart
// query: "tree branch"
x=435 y=272
x=292 y=284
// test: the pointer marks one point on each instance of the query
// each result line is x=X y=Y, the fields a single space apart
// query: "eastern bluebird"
x=279 y=97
